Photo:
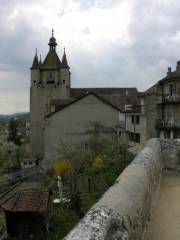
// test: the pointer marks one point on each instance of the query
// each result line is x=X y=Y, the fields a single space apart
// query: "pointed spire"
x=64 y=60
x=40 y=62
x=35 y=61
x=52 y=41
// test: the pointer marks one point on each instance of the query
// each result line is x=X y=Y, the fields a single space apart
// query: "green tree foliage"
x=98 y=162
x=13 y=132
x=10 y=154
x=93 y=171
x=77 y=157
x=22 y=120
x=63 y=168
x=2 y=124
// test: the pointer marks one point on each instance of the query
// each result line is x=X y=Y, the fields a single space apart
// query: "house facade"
x=79 y=121
x=168 y=105
x=160 y=110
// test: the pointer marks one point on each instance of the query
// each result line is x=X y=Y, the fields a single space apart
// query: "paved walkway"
x=165 y=223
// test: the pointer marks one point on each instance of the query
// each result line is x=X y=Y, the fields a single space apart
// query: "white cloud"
x=115 y=43
x=12 y=102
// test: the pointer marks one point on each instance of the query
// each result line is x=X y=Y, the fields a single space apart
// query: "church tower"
x=50 y=80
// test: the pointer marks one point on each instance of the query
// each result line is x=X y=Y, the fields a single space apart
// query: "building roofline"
x=78 y=99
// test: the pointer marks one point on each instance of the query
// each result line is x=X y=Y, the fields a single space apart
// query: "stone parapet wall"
x=125 y=209
x=167 y=143
x=170 y=155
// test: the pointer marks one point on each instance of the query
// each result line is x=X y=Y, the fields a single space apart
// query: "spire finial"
x=36 y=51
x=52 y=41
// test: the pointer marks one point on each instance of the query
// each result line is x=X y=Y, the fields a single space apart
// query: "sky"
x=108 y=43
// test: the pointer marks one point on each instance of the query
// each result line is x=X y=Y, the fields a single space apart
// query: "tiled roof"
x=51 y=61
x=149 y=91
x=35 y=62
x=60 y=103
x=64 y=60
x=117 y=101
x=170 y=76
x=28 y=200
x=120 y=100
x=78 y=92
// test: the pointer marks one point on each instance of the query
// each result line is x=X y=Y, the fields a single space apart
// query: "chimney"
x=169 y=71
x=178 y=68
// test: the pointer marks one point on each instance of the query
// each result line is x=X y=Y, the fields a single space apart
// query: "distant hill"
x=13 y=115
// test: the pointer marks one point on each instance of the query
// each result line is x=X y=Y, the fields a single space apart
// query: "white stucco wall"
x=76 y=123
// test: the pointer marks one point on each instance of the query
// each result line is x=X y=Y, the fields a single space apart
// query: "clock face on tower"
x=50 y=77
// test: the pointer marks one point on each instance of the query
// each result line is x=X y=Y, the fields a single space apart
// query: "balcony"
x=167 y=124
x=169 y=99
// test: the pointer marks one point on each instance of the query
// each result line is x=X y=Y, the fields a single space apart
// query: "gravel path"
x=165 y=223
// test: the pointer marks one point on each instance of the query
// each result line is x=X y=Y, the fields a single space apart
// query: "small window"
x=25 y=163
x=171 y=89
x=119 y=134
x=50 y=82
x=134 y=137
x=132 y=119
x=30 y=163
x=137 y=137
x=137 y=119
x=131 y=137
x=97 y=128
x=64 y=81
x=35 y=82
x=86 y=147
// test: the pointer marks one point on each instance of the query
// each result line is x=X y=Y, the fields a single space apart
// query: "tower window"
x=35 y=82
x=49 y=82
x=50 y=78
x=63 y=80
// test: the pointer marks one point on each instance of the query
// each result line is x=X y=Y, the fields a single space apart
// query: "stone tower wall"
x=41 y=93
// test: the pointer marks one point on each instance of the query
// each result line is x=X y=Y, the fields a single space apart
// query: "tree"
x=98 y=162
x=13 y=132
x=63 y=168
x=91 y=172
x=10 y=154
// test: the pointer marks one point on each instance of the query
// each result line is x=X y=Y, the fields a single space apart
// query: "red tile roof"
x=28 y=200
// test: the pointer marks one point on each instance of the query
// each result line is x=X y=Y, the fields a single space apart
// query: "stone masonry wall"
x=124 y=210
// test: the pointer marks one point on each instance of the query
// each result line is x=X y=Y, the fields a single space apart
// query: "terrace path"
x=165 y=223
